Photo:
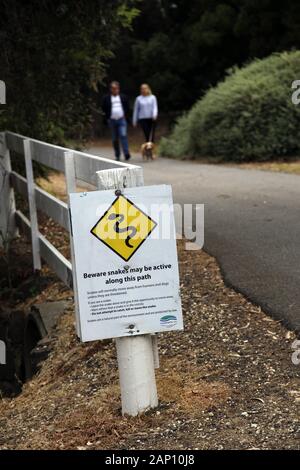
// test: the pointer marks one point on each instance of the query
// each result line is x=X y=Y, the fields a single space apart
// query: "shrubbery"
x=53 y=56
x=249 y=116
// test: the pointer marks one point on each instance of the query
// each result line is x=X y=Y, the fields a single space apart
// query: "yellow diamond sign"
x=123 y=227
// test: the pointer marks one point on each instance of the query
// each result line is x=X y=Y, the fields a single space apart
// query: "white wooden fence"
x=137 y=356
x=77 y=166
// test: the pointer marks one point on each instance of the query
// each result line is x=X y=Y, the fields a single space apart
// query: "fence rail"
x=82 y=167
x=137 y=378
x=46 y=202
x=86 y=165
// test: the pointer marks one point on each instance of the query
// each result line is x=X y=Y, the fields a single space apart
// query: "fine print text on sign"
x=125 y=262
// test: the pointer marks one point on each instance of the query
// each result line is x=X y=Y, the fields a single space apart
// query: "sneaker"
x=128 y=156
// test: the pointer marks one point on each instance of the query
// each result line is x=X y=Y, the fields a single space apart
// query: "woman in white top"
x=145 y=112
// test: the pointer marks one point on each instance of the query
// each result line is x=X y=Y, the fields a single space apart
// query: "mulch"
x=226 y=382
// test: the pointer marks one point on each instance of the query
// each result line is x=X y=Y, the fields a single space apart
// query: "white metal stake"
x=136 y=372
x=32 y=207
x=135 y=353
x=71 y=188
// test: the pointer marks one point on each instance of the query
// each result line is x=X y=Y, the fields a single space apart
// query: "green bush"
x=53 y=57
x=248 y=116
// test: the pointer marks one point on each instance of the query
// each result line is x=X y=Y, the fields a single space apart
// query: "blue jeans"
x=118 y=129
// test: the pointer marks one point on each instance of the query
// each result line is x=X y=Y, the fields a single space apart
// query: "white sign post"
x=127 y=276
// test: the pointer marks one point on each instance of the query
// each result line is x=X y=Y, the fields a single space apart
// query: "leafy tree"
x=182 y=47
x=248 y=116
x=53 y=53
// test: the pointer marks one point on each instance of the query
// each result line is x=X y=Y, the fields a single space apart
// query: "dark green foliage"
x=249 y=116
x=182 y=47
x=53 y=53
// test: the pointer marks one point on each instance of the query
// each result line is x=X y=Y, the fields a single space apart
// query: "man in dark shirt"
x=116 y=109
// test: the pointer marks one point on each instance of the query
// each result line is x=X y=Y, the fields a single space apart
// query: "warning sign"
x=123 y=227
x=126 y=268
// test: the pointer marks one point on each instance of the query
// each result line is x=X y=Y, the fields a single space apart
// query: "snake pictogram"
x=117 y=229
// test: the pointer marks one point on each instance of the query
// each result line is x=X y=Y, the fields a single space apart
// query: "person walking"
x=115 y=106
x=145 y=112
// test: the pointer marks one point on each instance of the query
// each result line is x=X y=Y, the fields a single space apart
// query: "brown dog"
x=147 y=150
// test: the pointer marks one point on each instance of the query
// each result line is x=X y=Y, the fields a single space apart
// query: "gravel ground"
x=226 y=382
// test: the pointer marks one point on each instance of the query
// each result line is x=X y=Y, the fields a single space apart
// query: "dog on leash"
x=147 y=150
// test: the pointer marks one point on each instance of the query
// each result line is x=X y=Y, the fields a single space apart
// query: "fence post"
x=7 y=200
x=135 y=354
x=32 y=207
x=71 y=188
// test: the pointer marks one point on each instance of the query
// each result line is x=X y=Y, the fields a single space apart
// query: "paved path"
x=252 y=226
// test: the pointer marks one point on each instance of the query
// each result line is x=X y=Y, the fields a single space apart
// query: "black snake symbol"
x=117 y=228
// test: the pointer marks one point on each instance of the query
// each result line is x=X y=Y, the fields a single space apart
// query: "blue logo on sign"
x=168 y=321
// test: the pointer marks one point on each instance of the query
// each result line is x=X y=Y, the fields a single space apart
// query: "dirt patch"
x=226 y=381
x=55 y=184
x=182 y=387
x=282 y=166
